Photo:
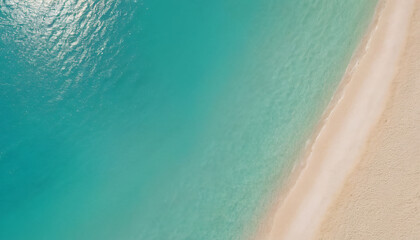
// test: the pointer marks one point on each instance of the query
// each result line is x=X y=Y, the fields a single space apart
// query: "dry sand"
x=345 y=135
x=381 y=198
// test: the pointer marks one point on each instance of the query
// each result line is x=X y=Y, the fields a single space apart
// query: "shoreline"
x=266 y=225
x=381 y=197
x=341 y=136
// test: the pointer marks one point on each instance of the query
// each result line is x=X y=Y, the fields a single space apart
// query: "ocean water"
x=125 y=119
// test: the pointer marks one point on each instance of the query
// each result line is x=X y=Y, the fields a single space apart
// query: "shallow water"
x=160 y=119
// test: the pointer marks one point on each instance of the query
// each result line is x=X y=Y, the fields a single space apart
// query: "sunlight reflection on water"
x=60 y=36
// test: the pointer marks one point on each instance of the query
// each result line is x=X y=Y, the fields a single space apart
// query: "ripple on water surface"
x=124 y=119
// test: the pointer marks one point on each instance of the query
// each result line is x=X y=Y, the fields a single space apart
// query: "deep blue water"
x=160 y=119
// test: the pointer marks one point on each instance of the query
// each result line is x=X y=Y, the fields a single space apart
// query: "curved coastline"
x=344 y=130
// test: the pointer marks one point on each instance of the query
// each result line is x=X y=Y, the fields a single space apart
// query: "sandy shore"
x=381 y=198
x=310 y=209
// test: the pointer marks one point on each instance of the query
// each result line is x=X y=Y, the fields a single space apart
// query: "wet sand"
x=310 y=209
x=381 y=197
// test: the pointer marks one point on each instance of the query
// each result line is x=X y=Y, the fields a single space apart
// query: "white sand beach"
x=361 y=175
x=381 y=197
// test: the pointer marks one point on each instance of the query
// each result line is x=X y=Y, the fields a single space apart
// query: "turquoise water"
x=160 y=119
